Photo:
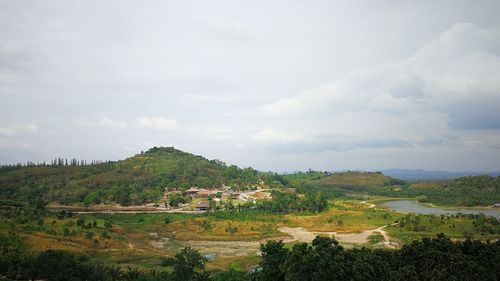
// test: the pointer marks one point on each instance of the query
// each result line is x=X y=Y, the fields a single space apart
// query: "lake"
x=410 y=206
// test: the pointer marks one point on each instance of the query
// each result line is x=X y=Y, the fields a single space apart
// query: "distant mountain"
x=420 y=174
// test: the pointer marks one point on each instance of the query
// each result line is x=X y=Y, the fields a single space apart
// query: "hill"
x=340 y=183
x=135 y=180
x=464 y=191
x=419 y=174
x=357 y=180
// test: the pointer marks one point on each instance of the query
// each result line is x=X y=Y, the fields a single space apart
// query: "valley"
x=224 y=213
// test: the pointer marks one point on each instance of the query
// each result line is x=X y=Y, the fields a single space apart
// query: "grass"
x=132 y=243
x=344 y=216
x=375 y=238
x=430 y=226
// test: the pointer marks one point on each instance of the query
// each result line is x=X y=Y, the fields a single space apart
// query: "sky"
x=276 y=85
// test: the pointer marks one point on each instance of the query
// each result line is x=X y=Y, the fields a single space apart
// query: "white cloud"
x=157 y=123
x=110 y=123
x=15 y=129
x=272 y=136
x=459 y=66
x=5 y=131
x=14 y=144
x=224 y=27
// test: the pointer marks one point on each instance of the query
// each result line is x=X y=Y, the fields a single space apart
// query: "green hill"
x=342 y=183
x=356 y=180
x=463 y=191
x=135 y=180
x=345 y=180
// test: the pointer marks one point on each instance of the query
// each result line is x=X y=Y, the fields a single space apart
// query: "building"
x=192 y=191
x=496 y=205
x=202 y=206
x=205 y=193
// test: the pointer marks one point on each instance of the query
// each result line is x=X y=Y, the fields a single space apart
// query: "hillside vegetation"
x=464 y=191
x=342 y=183
x=135 y=180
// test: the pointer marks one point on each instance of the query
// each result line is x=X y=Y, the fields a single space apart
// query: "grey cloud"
x=333 y=143
x=481 y=114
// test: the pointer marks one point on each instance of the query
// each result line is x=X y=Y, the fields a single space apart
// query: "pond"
x=410 y=206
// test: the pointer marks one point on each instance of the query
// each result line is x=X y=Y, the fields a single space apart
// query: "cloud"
x=14 y=144
x=5 y=131
x=15 y=129
x=110 y=123
x=156 y=123
x=475 y=114
x=451 y=73
x=279 y=142
x=350 y=84
x=11 y=136
x=272 y=136
x=222 y=27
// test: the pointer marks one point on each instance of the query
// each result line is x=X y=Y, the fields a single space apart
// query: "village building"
x=192 y=191
x=206 y=193
x=202 y=206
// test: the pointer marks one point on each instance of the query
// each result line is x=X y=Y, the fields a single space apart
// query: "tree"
x=176 y=199
x=108 y=224
x=273 y=258
x=80 y=222
x=187 y=265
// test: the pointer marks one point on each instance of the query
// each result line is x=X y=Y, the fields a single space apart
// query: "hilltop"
x=135 y=180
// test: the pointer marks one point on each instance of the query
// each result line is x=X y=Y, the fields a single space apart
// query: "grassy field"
x=142 y=240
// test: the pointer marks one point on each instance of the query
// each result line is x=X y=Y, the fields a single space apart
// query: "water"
x=210 y=256
x=409 y=206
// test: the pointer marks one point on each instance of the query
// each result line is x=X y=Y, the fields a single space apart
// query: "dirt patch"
x=299 y=234
x=303 y=235
x=370 y=205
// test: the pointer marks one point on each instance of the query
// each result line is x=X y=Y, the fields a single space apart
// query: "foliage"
x=465 y=226
x=426 y=259
x=324 y=259
x=465 y=191
x=133 y=181
x=286 y=202
x=187 y=265
x=175 y=200
x=338 y=185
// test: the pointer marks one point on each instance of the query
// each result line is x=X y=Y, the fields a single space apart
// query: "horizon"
x=285 y=86
x=383 y=170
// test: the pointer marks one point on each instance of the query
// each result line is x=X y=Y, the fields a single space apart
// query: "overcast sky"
x=277 y=85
